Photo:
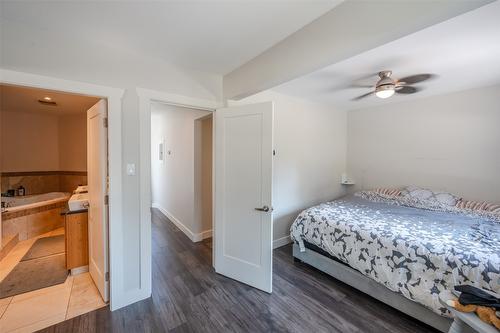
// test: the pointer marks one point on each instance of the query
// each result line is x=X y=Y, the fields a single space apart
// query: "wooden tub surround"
x=32 y=222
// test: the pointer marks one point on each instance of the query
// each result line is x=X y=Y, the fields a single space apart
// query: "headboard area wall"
x=447 y=142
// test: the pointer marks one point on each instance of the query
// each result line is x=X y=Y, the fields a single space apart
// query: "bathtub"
x=14 y=204
x=33 y=215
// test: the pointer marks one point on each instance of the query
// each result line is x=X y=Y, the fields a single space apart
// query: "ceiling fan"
x=387 y=86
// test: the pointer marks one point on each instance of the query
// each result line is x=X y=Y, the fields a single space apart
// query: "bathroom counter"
x=66 y=211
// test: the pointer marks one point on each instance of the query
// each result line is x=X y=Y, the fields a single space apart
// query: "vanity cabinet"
x=77 y=241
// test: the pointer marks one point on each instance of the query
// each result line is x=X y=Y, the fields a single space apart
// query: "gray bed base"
x=357 y=280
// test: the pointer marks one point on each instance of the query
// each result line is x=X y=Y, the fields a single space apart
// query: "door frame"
x=146 y=97
x=114 y=100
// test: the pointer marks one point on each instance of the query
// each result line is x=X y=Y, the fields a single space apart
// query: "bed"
x=403 y=256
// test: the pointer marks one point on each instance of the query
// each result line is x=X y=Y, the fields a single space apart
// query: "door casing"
x=146 y=97
x=120 y=295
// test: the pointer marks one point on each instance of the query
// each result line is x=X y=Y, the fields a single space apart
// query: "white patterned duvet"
x=415 y=252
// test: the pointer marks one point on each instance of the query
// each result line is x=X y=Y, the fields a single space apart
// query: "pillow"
x=478 y=206
x=388 y=192
x=446 y=198
x=431 y=197
x=417 y=193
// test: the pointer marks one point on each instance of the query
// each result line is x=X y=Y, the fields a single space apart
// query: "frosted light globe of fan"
x=385 y=93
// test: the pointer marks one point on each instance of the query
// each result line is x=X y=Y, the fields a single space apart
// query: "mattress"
x=415 y=252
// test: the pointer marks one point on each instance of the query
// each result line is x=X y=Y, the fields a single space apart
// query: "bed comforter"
x=414 y=252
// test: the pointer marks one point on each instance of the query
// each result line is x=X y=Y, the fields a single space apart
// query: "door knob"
x=264 y=209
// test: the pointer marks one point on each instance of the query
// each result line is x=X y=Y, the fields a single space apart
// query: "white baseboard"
x=191 y=235
x=208 y=233
x=281 y=242
x=203 y=235
x=79 y=270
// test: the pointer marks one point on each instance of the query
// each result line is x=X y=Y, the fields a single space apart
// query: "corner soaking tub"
x=14 y=204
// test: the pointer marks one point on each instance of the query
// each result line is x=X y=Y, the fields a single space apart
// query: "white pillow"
x=431 y=197
x=445 y=198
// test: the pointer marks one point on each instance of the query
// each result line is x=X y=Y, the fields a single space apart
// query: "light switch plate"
x=131 y=169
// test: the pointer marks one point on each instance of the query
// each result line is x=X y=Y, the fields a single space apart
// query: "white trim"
x=203 y=235
x=281 y=242
x=79 y=270
x=191 y=235
x=178 y=100
x=118 y=292
x=175 y=221
x=147 y=96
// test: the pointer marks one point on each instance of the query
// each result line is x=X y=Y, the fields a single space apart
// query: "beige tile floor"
x=41 y=308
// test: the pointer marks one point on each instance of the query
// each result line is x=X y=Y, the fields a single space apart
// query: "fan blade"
x=365 y=81
x=416 y=78
x=362 y=96
x=407 y=90
x=355 y=85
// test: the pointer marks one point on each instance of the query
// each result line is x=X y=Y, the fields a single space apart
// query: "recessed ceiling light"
x=47 y=98
x=45 y=102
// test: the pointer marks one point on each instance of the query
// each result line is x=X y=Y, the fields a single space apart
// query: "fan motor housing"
x=385 y=81
x=385 y=86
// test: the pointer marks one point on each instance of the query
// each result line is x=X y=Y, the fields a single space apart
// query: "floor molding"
x=281 y=242
x=191 y=235
x=203 y=235
x=79 y=270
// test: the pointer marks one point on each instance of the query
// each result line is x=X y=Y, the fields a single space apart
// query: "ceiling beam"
x=348 y=29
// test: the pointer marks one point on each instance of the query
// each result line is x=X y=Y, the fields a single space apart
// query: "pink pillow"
x=388 y=192
x=478 y=205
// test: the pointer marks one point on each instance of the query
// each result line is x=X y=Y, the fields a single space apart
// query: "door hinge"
x=106 y=199
x=274 y=152
x=105 y=122
x=106 y=276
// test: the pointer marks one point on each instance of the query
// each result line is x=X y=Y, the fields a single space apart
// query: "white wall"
x=310 y=144
x=43 y=142
x=31 y=49
x=449 y=142
x=172 y=182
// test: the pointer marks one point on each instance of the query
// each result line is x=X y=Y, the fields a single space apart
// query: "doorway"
x=45 y=238
x=181 y=167
x=231 y=139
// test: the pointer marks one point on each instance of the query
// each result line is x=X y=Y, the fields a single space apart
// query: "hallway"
x=189 y=297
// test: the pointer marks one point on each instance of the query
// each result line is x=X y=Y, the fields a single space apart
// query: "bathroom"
x=45 y=228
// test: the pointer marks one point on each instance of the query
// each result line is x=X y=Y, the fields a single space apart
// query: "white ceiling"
x=213 y=36
x=23 y=99
x=464 y=52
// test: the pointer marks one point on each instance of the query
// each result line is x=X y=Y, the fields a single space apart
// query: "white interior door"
x=97 y=170
x=243 y=194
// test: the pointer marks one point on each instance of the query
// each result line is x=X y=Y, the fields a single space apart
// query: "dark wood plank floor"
x=188 y=296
